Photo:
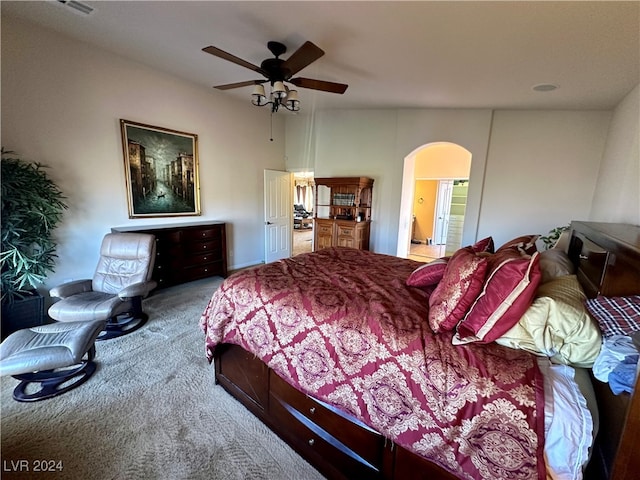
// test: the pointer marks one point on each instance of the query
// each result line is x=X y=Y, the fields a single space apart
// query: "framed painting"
x=161 y=168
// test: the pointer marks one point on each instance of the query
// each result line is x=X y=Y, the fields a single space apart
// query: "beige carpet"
x=302 y=240
x=151 y=411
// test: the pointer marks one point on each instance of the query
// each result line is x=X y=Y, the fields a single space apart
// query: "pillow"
x=428 y=274
x=555 y=263
x=459 y=287
x=616 y=315
x=557 y=325
x=507 y=293
x=484 y=245
x=526 y=243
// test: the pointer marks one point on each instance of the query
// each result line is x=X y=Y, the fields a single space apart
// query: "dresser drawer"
x=200 y=248
x=324 y=229
x=202 y=271
x=202 y=259
x=345 y=231
x=168 y=237
x=202 y=234
x=316 y=419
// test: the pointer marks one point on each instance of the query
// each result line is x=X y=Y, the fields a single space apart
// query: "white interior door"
x=443 y=208
x=278 y=206
x=406 y=207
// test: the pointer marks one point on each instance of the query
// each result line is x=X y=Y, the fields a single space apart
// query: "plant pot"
x=23 y=313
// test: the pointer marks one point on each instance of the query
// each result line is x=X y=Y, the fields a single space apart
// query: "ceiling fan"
x=277 y=71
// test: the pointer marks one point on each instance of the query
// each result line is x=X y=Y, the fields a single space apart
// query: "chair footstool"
x=57 y=357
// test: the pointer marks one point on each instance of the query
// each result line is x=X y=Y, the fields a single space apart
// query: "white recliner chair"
x=121 y=280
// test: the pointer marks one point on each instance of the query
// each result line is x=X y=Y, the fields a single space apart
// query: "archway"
x=433 y=204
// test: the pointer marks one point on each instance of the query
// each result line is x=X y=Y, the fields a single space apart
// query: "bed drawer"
x=313 y=428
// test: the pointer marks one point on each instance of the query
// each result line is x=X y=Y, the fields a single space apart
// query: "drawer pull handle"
x=312 y=410
x=311 y=442
x=583 y=257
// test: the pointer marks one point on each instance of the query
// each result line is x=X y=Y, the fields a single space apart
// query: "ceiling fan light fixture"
x=258 y=97
x=277 y=71
x=278 y=90
x=293 y=102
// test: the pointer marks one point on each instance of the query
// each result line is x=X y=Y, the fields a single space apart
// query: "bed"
x=367 y=376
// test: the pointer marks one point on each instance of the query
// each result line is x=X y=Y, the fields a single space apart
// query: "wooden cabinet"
x=186 y=252
x=343 y=212
x=606 y=257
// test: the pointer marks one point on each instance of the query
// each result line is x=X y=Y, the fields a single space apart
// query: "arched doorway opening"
x=433 y=205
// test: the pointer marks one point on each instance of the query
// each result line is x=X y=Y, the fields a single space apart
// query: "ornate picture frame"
x=161 y=170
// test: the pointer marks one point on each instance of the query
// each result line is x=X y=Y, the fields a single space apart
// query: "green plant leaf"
x=32 y=207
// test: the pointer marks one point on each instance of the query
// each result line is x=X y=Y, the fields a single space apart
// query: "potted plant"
x=32 y=207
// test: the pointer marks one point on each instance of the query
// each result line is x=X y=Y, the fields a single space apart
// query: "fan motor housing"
x=274 y=69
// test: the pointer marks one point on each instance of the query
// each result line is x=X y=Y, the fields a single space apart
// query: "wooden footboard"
x=337 y=444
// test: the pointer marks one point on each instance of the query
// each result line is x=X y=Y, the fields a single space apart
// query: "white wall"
x=61 y=105
x=531 y=170
x=374 y=143
x=617 y=194
x=542 y=168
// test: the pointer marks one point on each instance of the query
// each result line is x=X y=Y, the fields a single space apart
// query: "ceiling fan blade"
x=216 y=52
x=305 y=55
x=229 y=86
x=319 y=85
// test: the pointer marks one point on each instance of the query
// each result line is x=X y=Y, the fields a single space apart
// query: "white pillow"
x=568 y=423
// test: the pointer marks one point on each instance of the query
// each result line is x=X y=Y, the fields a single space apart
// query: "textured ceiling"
x=391 y=54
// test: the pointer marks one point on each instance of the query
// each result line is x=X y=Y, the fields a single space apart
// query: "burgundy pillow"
x=508 y=291
x=484 y=245
x=526 y=243
x=462 y=282
x=428 y=274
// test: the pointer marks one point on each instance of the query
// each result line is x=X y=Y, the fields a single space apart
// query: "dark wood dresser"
x=186 y=252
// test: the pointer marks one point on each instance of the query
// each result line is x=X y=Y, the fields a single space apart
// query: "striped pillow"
x=511 y=283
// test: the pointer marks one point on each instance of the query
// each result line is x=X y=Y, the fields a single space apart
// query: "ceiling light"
x=280 y=96
x=259 y=99
x=544 y=87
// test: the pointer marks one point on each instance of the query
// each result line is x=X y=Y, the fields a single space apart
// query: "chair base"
x=51 y=381
x=122 y=325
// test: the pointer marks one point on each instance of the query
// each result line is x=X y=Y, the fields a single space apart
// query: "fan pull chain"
x=271 y=127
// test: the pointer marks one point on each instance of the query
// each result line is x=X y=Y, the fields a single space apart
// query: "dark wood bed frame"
x=607 y=257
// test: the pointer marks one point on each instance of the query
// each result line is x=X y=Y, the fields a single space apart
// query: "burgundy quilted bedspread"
x=341 y=326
